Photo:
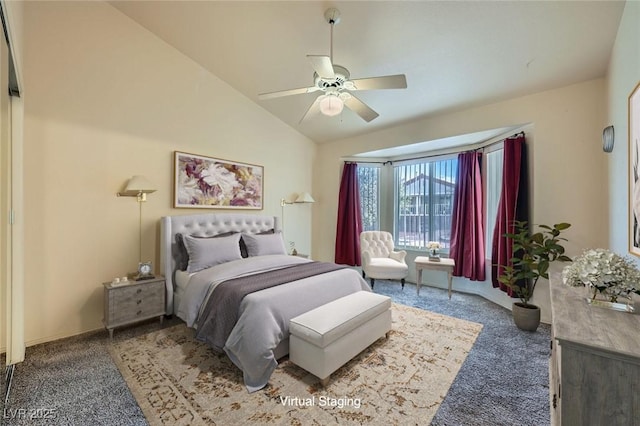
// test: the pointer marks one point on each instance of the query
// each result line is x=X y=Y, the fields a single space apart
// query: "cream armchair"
x=379 y=260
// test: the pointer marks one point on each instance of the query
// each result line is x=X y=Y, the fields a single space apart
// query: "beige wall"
x=567 y=166
x=5 y=203
x=12 y=286
x=622 y=77
x=106 y=100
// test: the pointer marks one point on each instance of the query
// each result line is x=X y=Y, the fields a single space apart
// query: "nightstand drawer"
x=135 y=294
x=130 y=303
x=136 y=307
x=132 y=313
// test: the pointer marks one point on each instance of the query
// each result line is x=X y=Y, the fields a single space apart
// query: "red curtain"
x=467 y=222
x=349 y=218
x=512 y=198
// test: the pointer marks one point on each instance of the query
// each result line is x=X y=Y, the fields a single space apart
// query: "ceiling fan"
x=335 y=83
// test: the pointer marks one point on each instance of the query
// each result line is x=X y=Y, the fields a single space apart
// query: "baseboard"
x=504 y=303
x=59 y=337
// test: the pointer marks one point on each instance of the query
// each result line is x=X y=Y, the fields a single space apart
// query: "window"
x=369 y=185
x=494 y=162
x=423 y=194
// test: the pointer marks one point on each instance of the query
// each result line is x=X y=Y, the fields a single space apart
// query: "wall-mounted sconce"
x=303 y=197
x=138 y=186
x=607 y=139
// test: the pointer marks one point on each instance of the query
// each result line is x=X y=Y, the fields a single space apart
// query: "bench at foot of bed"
x=324 y=339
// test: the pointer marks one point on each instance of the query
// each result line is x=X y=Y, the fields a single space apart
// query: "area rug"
x=398 y=380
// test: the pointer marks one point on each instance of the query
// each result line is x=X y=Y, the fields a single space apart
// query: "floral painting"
x=634 y=171
x=205 y=182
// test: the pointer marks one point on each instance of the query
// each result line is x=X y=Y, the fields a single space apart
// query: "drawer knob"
x=138 y=313
x=138 y=302
x=139 y=291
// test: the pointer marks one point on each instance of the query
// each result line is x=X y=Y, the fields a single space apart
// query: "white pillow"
x=207 y=252
x=264 y=244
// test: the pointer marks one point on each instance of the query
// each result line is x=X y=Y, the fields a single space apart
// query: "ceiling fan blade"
x=322 y=66
x=360 y=108
x=398 y=81
x=314 y=109
x=271 y=95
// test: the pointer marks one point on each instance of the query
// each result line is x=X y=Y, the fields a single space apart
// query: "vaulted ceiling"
x=455 y=54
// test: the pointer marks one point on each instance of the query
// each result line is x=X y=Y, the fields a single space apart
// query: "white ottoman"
x=325 y=338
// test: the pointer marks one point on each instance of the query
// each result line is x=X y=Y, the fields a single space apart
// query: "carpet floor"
x=505 y=378
x=74 y=381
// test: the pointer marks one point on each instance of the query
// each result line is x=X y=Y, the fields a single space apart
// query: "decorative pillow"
x=263 y=244
x=243 y=245
x=180 y=253
x=243 y=249
x=207 y=252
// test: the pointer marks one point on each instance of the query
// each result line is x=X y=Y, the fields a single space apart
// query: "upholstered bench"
x=325 y=338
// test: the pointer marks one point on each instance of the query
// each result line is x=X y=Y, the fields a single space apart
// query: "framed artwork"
x=205 y=182
x=634 y=171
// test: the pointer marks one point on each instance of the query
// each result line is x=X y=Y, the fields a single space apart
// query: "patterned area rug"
x=400 y=380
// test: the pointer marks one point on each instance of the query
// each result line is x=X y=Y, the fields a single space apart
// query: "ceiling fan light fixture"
x=331 y=105
x=335 y=82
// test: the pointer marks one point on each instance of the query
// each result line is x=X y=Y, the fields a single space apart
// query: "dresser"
x=136 y=301
x=595 y=361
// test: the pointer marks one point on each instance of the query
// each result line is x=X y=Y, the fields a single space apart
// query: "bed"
x=227 y=252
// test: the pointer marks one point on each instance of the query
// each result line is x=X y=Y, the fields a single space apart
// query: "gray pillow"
x=182 y=256
x=180 y=253
x=207 y=252
x=264 y=244
x=243 y=246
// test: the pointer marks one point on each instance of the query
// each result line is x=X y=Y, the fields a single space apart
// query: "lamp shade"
x=331 y=105
x=139 y=185
x=305 y=197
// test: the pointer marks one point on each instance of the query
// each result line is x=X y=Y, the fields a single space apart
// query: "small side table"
x=445 y=264
x=136 y=301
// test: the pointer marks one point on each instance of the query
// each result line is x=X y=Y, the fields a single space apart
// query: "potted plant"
x=533 y=253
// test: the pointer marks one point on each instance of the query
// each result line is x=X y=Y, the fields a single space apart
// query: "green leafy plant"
x=532 y=256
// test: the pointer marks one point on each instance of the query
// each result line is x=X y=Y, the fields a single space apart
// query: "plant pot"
x=526 y=317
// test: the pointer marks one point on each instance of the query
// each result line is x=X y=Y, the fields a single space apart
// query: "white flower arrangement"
x=603 y=272
x=433 y=245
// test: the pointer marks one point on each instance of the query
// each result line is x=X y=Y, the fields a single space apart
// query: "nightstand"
x=129 y=303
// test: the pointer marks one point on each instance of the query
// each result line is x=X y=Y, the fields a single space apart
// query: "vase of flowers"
x=610 y=279
x=434 y=254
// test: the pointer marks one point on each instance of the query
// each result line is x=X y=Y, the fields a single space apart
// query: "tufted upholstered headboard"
x=203 y=225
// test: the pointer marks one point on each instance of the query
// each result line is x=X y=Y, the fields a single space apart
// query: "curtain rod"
x=384 y=163
x=389 y=162
x=515 y=135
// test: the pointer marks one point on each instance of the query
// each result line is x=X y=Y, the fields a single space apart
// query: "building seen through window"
x=423 y=194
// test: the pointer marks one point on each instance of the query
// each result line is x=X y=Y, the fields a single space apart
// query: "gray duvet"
x=263 y=316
